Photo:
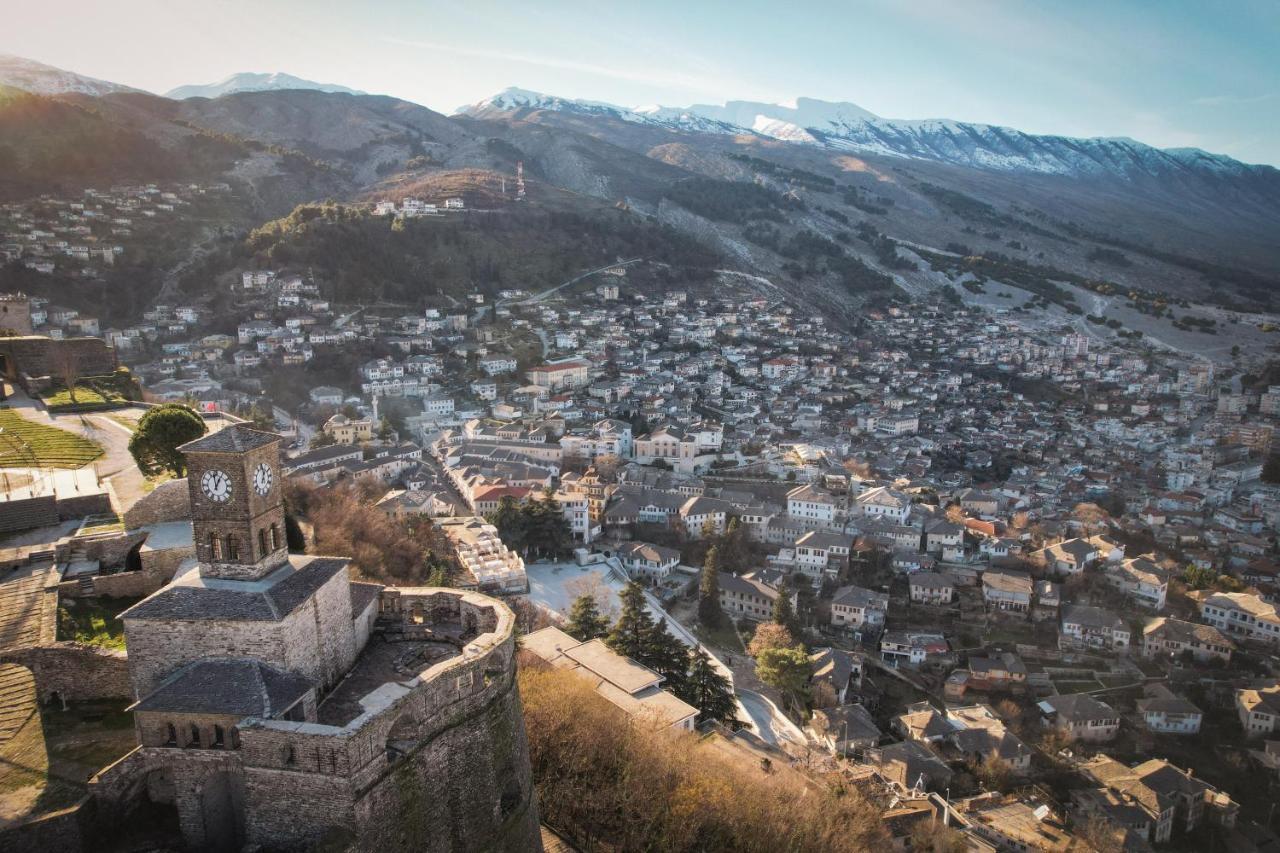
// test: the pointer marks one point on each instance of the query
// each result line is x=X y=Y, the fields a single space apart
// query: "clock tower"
x=237 y=508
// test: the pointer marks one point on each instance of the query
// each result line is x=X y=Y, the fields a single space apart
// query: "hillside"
x=40 y=79
x=363 y=259
x=50 y=144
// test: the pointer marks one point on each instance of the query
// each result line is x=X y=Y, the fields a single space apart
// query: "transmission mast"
x=519 y=180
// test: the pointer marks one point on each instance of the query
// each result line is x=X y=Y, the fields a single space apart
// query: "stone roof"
x=362 y=595
x=847 y=722
x=646 y=551
x=747 y=586
x=1088 y=616
x=236 y=438
x=931 y=580
x=856 y=596
x=1168 y=629
x=242 y=688
x=833 y=665
x=1008 y=581
x=191 y=598
x=1078 y=707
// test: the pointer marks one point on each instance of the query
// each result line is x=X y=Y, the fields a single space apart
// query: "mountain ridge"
x=253 y=81
x=18 y=72
x=847 y=127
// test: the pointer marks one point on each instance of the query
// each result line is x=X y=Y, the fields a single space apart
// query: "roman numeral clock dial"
x=216 y=486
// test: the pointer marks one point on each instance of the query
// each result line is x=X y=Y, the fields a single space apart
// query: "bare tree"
x=64 y=363
x=594 y=586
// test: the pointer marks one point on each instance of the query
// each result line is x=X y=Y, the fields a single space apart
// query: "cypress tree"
x=709 y=612
x=783 y=613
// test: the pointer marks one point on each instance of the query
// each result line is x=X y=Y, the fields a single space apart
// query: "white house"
x=855 y=607
x=650 y=562
x=932 y=588
x=1165 y=712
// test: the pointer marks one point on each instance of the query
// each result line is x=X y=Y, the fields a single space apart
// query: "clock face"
x=216 y=485
x=262 y=478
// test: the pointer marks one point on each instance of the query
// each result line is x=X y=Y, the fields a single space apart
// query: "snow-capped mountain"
x=802 y=113
x=515 y=100
x=41 y=79
x=847 y=127
x=249 y=81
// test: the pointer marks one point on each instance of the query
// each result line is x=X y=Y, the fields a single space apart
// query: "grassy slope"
x=52 y=447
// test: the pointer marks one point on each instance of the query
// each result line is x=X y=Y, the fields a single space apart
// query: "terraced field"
x=42 y=445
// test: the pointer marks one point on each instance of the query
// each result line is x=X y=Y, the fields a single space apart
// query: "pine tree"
x=631 y=633
x=709 y=691
x=438 y=577
x=709 y=612
x=585 y=620
x=667 y=656
x=512 y=524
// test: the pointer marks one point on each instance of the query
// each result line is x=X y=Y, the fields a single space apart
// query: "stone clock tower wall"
x=241 y=538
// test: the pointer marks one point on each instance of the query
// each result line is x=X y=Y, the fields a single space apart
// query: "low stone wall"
x=163 y=564
x=84 y=505
x=74 y=671
x=28 y=513
x=169 y=501
x=111 y=550
x=122 y=585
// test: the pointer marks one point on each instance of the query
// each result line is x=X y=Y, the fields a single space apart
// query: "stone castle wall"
x=456 y=779
x=36 y=357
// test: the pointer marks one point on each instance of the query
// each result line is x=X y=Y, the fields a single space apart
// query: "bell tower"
x=237 y=506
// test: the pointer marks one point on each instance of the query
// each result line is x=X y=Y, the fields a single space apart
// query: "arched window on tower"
x=215 y=547
x=171 y=735
x=275 y=538
x=233 y=548
x=262 y=542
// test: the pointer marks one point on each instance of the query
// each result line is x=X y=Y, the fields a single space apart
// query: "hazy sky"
x=1167 y=72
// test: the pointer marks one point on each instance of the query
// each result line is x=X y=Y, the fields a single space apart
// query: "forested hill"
x=365 y=258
